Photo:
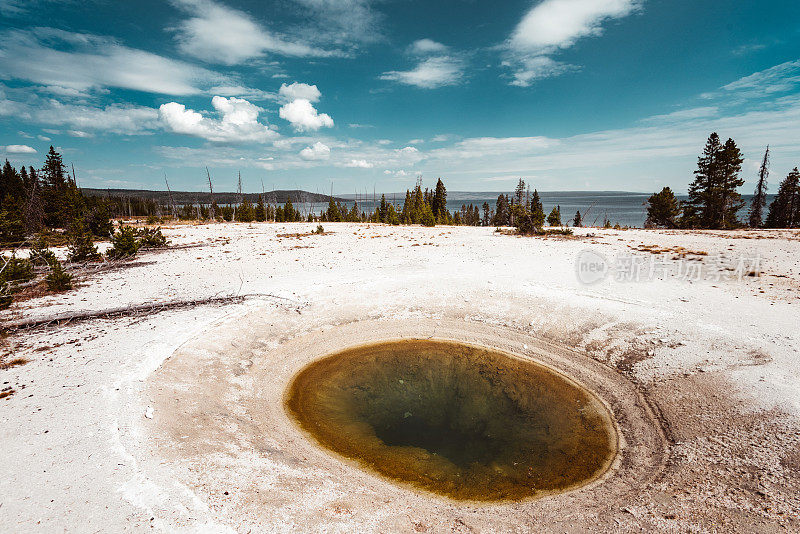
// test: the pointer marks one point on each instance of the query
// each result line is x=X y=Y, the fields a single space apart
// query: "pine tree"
x=729 y=198
x=577 y=221
x=554 y=219
x=260 y=212
x=439 y=204
x=486 y=214
x=405 y=215
x=760 y=195
x=383 y=210
x=245 y=213
x=333 y=214
x=662 y=209
x=699 y=209
x=54 y=188
x=502 y=211
x=537 y=210
x=519 y=192
x=713 y=199
x=784 y=212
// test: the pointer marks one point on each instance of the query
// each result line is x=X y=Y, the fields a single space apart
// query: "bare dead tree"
x=171 y=202
x=211 y=189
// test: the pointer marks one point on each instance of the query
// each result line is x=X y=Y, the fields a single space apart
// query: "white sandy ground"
x=717 y=359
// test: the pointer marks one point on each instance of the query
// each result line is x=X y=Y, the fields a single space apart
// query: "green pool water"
x=458 y=420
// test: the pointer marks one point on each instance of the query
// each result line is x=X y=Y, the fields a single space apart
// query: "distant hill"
x=192 y=197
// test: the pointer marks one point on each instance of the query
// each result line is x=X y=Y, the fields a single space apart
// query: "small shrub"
x=40 y=254
x=16 y=270
x=81 y=245
x=319 y=230
x=58 y=279
x=152 y=219
x=124 y=242
x=151 y=238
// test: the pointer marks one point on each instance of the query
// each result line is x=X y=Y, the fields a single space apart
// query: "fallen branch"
x=136 y=310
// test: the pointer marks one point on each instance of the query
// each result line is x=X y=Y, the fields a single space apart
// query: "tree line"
x=714 y=201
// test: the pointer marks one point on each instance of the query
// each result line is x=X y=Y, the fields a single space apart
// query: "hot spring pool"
x=462 y=421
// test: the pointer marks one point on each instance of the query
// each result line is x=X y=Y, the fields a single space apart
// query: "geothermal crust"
x=176 y=420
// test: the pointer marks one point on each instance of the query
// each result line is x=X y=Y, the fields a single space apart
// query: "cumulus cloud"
x=430 y=73
x=315 y=152
x=238 y=121
x=359 y=163
x=220 y=34
x=73 y=63
x=19 y=149
x=427 y=46
x=300 y=90
x=554 y=25
x=303 y=116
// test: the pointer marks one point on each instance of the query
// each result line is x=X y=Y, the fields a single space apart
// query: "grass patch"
x=16 y=362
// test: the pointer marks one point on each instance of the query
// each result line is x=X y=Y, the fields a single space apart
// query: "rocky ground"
x=172 y=419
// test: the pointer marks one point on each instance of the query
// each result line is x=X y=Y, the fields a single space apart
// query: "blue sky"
x=566 y=94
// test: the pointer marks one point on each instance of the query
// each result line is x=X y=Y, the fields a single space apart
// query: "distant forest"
x=181 y=198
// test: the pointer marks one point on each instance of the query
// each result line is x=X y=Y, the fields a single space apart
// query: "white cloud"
x=86 y=62
x=19 y=149
x=554 y=25
x=430 y=73
x=359 y=163
x=427 y=46
x=114 y=118
x=300 y=90
x=318 y=151
x=767 y=83
x=43 y=138
x=220 y=34
x=530 y=69
x=342 y=22
x=303 y=117
x=685 y=114
x=238 y=121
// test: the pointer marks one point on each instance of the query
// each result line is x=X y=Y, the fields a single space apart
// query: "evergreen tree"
x=662 y=209
x=713 y=199
x=554 y=219
x=383 y=210
x=502 y=211
x=729 y=198
x=418 y=204
x=405 y=215
x=260 y=212
x=486 y=214
x=699 y=209
x=439 y=204
x=245 y=213
x=519 y=192
x=784 y=211
x=427 y=218
x=333 y=214
x=54 y=190
x=577 y=221
x=760 y=195
x=537 y=210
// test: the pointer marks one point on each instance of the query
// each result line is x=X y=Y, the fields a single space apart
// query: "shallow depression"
x=462 y=421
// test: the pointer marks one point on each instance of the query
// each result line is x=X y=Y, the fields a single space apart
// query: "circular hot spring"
x=458 y=420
